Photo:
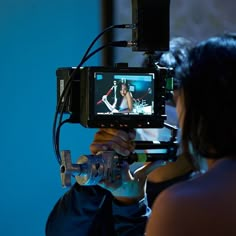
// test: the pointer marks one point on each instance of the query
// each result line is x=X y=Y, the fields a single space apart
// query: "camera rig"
x=90 y=96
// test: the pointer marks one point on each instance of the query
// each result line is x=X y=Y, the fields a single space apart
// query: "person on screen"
x=124 y=102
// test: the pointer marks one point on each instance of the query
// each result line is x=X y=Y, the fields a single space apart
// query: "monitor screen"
x=124 y=93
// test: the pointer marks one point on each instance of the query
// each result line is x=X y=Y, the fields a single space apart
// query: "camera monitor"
x=119 y=97
x=129 y=93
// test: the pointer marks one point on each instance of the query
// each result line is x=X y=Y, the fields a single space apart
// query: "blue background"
x=36 y=38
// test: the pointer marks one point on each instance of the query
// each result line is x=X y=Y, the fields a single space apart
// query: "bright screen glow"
x=113 y=90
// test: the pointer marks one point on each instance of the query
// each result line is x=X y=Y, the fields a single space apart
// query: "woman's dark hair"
x=208 y=82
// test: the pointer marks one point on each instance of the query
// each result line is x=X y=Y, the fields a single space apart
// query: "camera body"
x=93 y=96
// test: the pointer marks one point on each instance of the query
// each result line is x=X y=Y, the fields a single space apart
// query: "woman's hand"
x=126 y=188
x=120 y=141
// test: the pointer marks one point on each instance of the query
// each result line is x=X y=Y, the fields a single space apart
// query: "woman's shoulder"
x=201 y=185
x=172 y=209
x=190 y=204
x=184 y=191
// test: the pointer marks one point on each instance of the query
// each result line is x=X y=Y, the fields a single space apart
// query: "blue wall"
x=36 y=38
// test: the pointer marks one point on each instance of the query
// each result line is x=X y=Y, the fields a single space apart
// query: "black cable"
x=116 y=43
x=66 y=90
x=56 y=130
x=57 y=143
x=104 y=31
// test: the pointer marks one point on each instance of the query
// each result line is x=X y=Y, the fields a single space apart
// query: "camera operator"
x=206 y=109
x=119 y=208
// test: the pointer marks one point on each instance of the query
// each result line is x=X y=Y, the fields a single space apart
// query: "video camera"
x=91 y=96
